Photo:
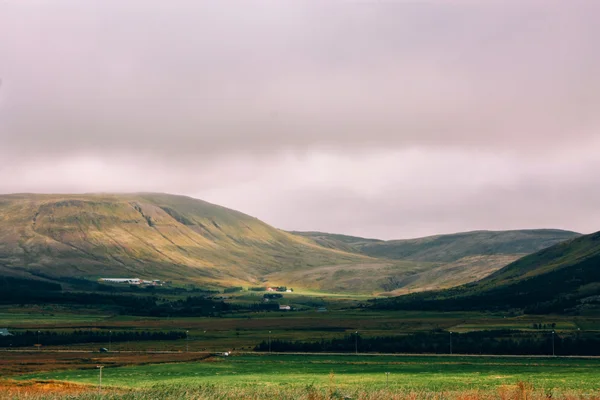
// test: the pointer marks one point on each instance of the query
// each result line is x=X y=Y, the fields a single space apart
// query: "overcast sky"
x=388 y=119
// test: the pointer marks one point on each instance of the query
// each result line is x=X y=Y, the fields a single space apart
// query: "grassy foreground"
x=329 y=376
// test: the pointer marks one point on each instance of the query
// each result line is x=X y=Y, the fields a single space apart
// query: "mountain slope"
x=448 y=248
x=147 y=235
x=562 y=278
x=436 y=262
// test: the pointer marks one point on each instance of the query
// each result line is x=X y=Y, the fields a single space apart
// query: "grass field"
x=296 y=376
x=45 y=320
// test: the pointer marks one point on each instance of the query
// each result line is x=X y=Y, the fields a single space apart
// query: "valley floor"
x=192 y=366
x=325 y=377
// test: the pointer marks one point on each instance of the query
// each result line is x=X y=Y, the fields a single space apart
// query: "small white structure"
x=285 y=308
x=5 y=332
x=131 y=281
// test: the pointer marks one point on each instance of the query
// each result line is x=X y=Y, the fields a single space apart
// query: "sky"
x=387 y=119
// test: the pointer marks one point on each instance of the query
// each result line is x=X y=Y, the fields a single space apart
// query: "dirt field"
x=14 y=363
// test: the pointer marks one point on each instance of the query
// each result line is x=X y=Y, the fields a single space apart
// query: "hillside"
x=147 y=236
x=159 y=236
x=448 y=248
x=562 y=278
x=437 y=262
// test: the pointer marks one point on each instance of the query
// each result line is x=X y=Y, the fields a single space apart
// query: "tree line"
x=26 y=291
x=500 y=342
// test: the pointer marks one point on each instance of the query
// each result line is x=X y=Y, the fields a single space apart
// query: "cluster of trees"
x=48 y=338
x=10 y=286
x=27 y=291
x=122 y=303
x=501 y=342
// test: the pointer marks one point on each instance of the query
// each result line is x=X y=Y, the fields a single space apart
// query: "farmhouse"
x=279 y=289
x=130 y=281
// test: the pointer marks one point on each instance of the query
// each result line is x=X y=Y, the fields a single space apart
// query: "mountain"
x=148 y=236
x=444 y=261
x=447 y=248
x=562 y=278
x=160 y=236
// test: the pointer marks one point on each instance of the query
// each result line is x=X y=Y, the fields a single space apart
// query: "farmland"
x=188 y=368
x=339 y=376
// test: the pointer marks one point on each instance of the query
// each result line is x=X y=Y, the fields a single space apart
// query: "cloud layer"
x=385 y=119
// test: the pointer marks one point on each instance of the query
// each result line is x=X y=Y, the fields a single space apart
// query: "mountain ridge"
x=432 y=248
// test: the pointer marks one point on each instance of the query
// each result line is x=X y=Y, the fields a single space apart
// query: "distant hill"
x=562 y=278
x=448 y=248
x=148 y=236
x=336 y=241
x=442 y=261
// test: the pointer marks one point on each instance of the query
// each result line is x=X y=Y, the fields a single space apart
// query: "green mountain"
x=562 y=278
x=148 y=236
x=441 y=261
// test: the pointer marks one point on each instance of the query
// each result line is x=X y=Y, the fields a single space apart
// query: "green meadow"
x=351 y=372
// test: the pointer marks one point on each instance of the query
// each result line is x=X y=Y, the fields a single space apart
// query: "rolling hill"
x=562 y=278
x=447 y=248
x=148 y=236
x=442 y=261
x=160 y=236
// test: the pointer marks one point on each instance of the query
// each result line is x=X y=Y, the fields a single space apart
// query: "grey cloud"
x=262 y=76
x=209 y=98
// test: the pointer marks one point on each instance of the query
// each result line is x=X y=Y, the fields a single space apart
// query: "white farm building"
x=131 y=281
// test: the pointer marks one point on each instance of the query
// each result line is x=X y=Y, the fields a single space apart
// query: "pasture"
x=340 y=376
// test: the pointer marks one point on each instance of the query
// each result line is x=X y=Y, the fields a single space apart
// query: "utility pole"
x=387 y=379
x=356 y=342
x=450 y=342
x=187 y=341
x=269 y=342
x=109 y=339
x=553 y=355
x=100 y=379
